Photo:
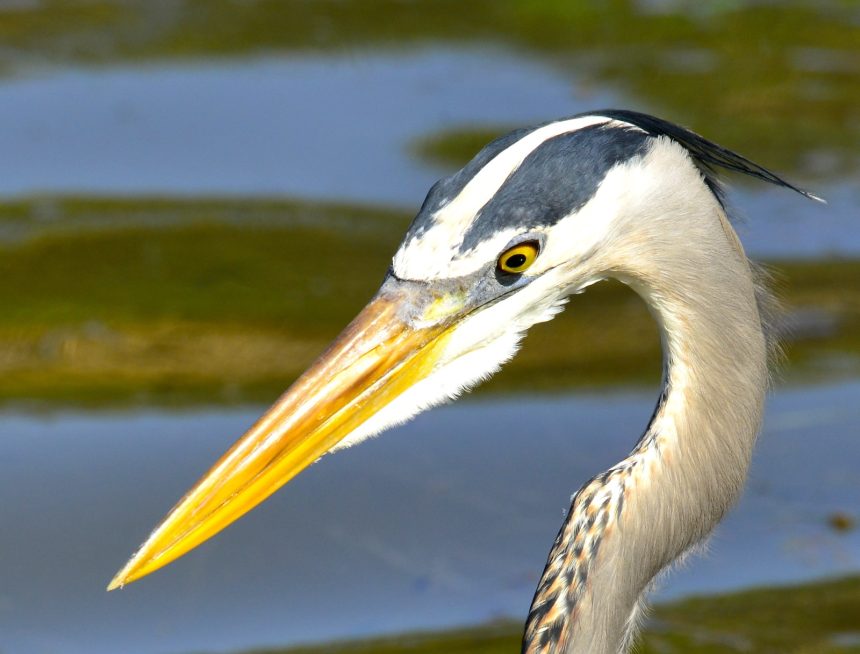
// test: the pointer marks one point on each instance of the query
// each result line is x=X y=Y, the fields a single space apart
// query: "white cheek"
x=537 y=302
x=476 y=350
x=576 y=235
x=444 y=384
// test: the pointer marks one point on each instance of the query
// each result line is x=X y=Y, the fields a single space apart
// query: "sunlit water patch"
x=325 y=126
x=330 y=127
x=446 y=521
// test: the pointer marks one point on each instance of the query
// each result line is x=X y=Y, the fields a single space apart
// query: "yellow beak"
x=375 y=359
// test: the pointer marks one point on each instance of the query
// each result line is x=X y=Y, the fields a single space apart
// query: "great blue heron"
x=537 y=215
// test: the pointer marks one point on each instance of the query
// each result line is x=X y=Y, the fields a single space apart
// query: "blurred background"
x=196 y=195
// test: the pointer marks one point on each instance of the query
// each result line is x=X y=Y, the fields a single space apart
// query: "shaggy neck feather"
x=632 y=521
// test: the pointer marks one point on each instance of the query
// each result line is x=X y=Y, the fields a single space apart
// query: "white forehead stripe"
x=432 y=255
x=487 y=182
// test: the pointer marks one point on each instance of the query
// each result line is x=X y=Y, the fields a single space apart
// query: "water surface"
x=246 y=121
x=325 y=127
x=444 y=521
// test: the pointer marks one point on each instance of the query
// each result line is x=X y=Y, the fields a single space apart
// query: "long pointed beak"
x=375 y=359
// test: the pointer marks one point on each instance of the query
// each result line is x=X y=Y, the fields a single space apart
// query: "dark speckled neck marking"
x=565 y=578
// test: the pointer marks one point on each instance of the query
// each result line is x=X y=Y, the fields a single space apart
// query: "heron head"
x=497 y=247
x=501 y=244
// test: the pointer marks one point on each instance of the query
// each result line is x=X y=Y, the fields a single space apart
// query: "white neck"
x=632 y=521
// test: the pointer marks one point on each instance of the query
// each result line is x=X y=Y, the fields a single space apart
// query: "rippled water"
x=262 y=126
x=275 y=127
x=444 y=521
x=448 y=520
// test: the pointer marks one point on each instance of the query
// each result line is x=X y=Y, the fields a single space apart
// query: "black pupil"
x=516 y=260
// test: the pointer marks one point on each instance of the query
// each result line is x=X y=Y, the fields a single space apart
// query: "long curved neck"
x=632 y=521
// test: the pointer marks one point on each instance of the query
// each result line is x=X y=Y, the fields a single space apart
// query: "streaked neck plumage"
x=632 y=521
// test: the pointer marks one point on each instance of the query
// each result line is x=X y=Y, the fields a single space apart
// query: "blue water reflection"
x=325 y=127
x=446 y=521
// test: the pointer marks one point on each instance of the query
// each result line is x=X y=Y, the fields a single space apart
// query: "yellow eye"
x=519 y=257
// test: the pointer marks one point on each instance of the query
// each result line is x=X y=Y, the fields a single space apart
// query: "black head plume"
x=707 y=154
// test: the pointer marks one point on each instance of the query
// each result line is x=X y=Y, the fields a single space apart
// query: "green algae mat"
x=817 y=618
x=140 y=301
